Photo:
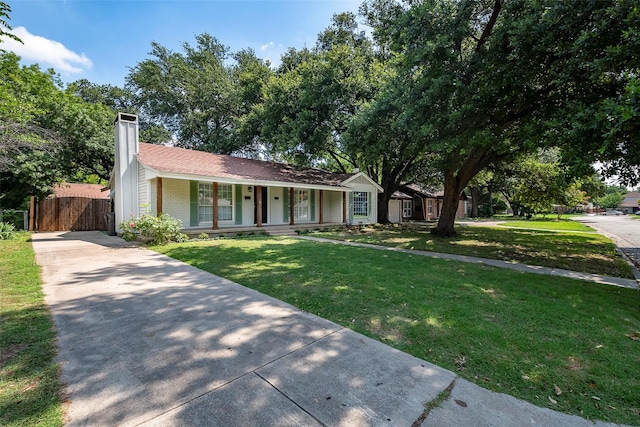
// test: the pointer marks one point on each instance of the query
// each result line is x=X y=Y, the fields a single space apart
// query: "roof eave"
x=252 y=182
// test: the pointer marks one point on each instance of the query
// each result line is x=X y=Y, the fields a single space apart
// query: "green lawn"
x=29 y=384
x=549 y=225
x=510 y=332
x=586 y=252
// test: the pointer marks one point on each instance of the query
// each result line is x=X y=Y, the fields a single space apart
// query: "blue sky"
x=101 y=39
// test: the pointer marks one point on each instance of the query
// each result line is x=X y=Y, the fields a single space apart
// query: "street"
x=624 y=230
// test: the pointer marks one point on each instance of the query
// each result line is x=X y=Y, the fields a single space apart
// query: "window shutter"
x=238 y=204
x=369 y=203
x=312 y=202
x=285 y=205
x=193 y=203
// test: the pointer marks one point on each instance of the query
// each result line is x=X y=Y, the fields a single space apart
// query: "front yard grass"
x=29 y=384
x=564 y=344
x=552 y=225
x=585 y=252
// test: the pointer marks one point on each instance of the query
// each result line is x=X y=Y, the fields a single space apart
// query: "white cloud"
x=44 y=51
x=272 y=52
x=266 y=46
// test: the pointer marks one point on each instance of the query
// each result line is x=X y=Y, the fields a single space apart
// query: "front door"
x=264 y=205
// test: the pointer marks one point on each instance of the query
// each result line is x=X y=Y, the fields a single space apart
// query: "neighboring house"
x=89 y=191
x=630 y=203
x=211 y=191
x=415 y=202
x=400 y=207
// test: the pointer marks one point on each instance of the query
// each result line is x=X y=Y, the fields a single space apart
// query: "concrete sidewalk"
x=147 y=340
x=524 y=268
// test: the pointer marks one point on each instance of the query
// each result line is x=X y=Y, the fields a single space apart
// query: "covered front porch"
x=216 y=207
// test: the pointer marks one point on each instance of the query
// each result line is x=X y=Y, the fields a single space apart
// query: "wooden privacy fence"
x=73 y=214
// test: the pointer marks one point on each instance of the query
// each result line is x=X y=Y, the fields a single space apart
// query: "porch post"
x=214 y=187
x=159 y=197
x=344 y=207
x=258 y=201
x=425 y=201
x=320 y=203
x=291 y=203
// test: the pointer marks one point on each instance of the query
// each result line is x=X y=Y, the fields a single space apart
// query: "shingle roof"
x=400 y=195
x=630 y=200
x=92 y=191
x=191 y=162
x=417 y=189
x=421 y=191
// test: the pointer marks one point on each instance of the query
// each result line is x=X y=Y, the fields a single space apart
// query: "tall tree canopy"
x=197 y=95
x=309 y=103
x=319 y=109
x=47 y=134
x=121 y=100
x=533 y=183
x=487 y=80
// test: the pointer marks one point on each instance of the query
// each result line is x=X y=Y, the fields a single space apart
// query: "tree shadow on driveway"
x=147 y=339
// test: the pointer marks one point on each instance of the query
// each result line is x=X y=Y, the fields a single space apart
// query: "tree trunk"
x=475 y=198
x=455 y=180
x=383 y=207
x=445 y=227
x=515 y=208
x=490 y=201
x=389 y=182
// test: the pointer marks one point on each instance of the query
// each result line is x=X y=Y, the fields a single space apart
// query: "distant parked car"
x=614 y=212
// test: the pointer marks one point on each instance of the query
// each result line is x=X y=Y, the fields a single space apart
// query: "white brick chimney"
x=126 y=167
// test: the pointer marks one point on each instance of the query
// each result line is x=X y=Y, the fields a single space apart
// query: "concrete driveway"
x=147 y=340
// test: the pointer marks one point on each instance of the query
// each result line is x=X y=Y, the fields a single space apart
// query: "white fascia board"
x=151 y=174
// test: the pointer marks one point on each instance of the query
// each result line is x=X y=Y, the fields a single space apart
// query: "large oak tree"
x=487 y=80
x=201 y=94
x=319 y=109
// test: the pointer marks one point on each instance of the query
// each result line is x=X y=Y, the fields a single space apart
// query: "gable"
x=360 y=179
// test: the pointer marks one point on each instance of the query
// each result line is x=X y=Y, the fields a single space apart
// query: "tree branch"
x=497 y=7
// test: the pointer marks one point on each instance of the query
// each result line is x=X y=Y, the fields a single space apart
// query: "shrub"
x=203 y=236
x=7 y=231
x=14 y=217
x=158 y=230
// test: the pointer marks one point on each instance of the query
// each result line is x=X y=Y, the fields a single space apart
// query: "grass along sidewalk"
x=568 y=345
x=549 y=225
x=570 y=250
x=29 y=384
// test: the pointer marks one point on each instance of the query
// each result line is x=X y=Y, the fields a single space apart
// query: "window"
x=430 y=207
x=205 y=202
x=406 y=208
x=301 y=204
x=225 y=202
x=360 y=203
